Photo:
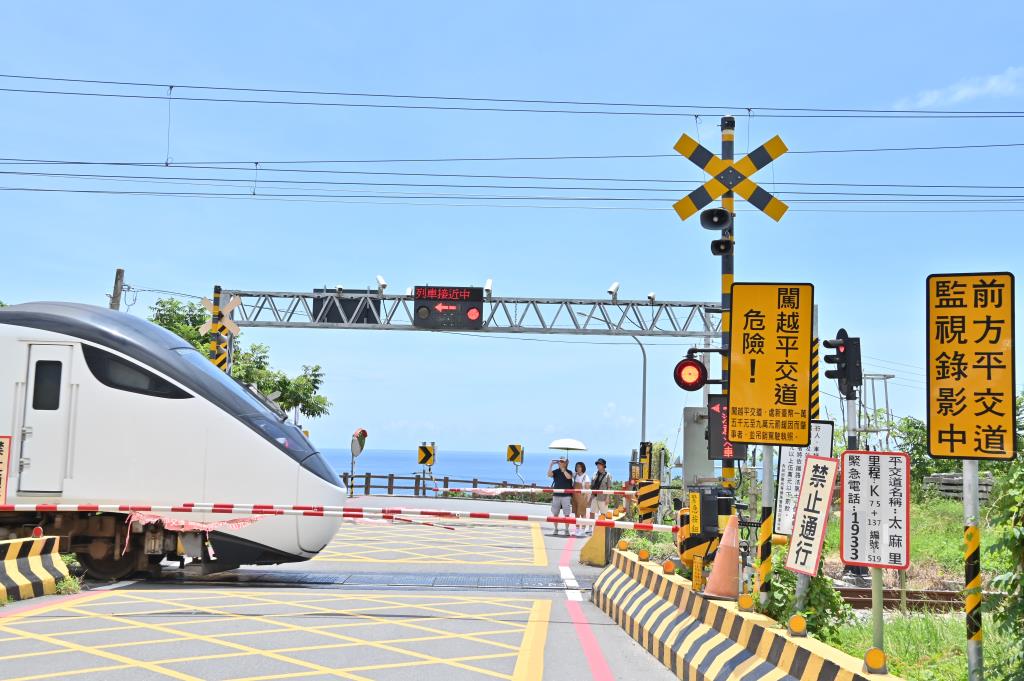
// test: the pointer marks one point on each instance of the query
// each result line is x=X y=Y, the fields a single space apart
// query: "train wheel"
x=99 y=561
x=108 y=568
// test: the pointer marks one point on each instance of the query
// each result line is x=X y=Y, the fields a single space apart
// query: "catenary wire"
x=498 y=109
x=688 y=107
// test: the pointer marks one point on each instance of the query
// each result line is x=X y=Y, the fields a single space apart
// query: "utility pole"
x=729 y=246
x=115 y=296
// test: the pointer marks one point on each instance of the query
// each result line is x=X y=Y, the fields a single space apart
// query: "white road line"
x=572 y=587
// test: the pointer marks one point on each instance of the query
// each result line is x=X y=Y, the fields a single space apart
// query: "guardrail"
x=421 y=484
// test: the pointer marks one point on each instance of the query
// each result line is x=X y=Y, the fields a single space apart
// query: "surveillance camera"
x=613 y=289
x=488 y=287
x=381 y=284
x=650 y=297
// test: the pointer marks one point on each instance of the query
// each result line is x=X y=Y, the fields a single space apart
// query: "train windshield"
x=250 y=409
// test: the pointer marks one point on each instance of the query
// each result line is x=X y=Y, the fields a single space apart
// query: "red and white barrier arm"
x=328 y=512
x=534 y=490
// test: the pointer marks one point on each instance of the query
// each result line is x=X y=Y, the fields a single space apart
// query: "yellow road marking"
x=540 y=554
x=331 y=634
x=530 y=664
x=227 y=644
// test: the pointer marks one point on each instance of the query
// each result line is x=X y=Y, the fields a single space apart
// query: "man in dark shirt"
x=561 y=478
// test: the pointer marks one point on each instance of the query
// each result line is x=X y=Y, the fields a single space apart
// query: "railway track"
x=937 y=600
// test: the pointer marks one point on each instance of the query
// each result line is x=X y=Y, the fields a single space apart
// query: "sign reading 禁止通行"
x=875 y=515
x=791 y=467
x=814 y=506
x=770 y=364
x=971 y=366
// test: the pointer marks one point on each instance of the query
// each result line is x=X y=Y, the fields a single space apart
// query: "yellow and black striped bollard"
x=647 y=500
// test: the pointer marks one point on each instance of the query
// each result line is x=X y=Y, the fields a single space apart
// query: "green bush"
x=824 y=608
x=69 y=585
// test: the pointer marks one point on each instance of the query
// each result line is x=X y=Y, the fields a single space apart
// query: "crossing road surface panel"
x=417 y=543
x=251 y=634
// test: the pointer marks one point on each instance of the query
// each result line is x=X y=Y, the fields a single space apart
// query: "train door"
x=47 y=422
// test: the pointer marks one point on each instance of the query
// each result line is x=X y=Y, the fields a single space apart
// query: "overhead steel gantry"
x=579 y=316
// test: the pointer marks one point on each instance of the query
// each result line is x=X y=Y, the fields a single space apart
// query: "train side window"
x=46 y=392
x=120 y=374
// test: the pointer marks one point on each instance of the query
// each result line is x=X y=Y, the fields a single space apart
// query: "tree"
x=250 y=365
x=1007 y=512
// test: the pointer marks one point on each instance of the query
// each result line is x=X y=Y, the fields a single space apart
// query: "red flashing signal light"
x=690 y=374
x=473 y=314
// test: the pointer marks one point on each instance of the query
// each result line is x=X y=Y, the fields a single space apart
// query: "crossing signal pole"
x=725 y=248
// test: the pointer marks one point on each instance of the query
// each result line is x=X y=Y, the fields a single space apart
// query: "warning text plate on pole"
x=970 y=366
x=770 y=364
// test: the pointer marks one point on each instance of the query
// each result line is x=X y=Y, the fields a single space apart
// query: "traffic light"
x=847 y=360
x=448 y=307
x=690 y=374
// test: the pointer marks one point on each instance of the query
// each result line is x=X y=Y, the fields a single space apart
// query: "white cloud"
x=1006 y=84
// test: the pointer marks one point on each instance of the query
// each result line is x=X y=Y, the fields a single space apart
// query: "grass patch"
x=660 y=544
x=69 y=585
x=923 y=647
x=936 y=538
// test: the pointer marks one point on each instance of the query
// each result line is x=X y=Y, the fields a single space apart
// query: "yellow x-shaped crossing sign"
x=730 y=176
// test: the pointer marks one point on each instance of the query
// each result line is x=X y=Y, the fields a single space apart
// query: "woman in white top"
x=580 y=500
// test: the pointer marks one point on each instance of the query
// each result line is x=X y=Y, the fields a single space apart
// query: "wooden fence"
x=951 y=485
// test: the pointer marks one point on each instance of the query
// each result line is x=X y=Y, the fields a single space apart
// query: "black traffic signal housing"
x=848 y=371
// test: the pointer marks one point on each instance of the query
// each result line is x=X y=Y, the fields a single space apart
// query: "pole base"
x=875 y=661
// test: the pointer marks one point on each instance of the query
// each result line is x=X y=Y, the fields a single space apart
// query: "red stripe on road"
x=599 y=670
x=566 y=556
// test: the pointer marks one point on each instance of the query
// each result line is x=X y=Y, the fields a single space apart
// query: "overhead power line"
x=676 y=109
x=432 y=200
x=238 y=180
x=251 y=165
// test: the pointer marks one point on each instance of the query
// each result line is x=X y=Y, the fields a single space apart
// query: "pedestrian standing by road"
x=580 y=500
x=561 y=478
x=602 y=481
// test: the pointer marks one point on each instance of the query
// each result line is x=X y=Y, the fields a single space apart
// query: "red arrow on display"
x=441 y=307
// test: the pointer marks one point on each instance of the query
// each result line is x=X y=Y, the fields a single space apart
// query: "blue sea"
x=484 y=466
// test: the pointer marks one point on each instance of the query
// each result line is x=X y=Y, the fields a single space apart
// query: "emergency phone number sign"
x=770 y=364
x=448 y=307
x=971 y=366
x=875 y=510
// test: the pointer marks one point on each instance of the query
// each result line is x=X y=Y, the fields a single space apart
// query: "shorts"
x=599 y=504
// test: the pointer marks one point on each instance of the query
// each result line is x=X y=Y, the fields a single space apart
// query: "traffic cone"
x=724 y=579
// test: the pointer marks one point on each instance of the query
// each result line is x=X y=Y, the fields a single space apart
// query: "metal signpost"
x=515 y=454
x=5 y=459
x=791 y=467
x=875 y=524
x=971 y=380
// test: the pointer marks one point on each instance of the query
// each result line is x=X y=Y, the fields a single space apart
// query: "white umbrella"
x=568 y=444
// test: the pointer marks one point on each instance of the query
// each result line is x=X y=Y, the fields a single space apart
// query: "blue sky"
x=869 y=268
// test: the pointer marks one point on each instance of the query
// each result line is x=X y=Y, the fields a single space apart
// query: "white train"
x=98 y=406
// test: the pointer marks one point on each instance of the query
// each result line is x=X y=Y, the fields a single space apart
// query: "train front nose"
x=314 y=533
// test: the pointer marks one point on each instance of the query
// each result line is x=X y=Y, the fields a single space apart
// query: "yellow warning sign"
x=5 y=461
x=971 y=366
x=770 y=364
x=695 y=513
x=697 y=577
x=515 y=453
x=426 y=455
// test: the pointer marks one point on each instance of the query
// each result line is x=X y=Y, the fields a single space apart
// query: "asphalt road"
x=447 y=601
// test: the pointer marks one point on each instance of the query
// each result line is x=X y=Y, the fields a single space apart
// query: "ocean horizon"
x=466 y=465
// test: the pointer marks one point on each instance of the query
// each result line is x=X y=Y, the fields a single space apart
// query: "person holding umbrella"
x=561 y=479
